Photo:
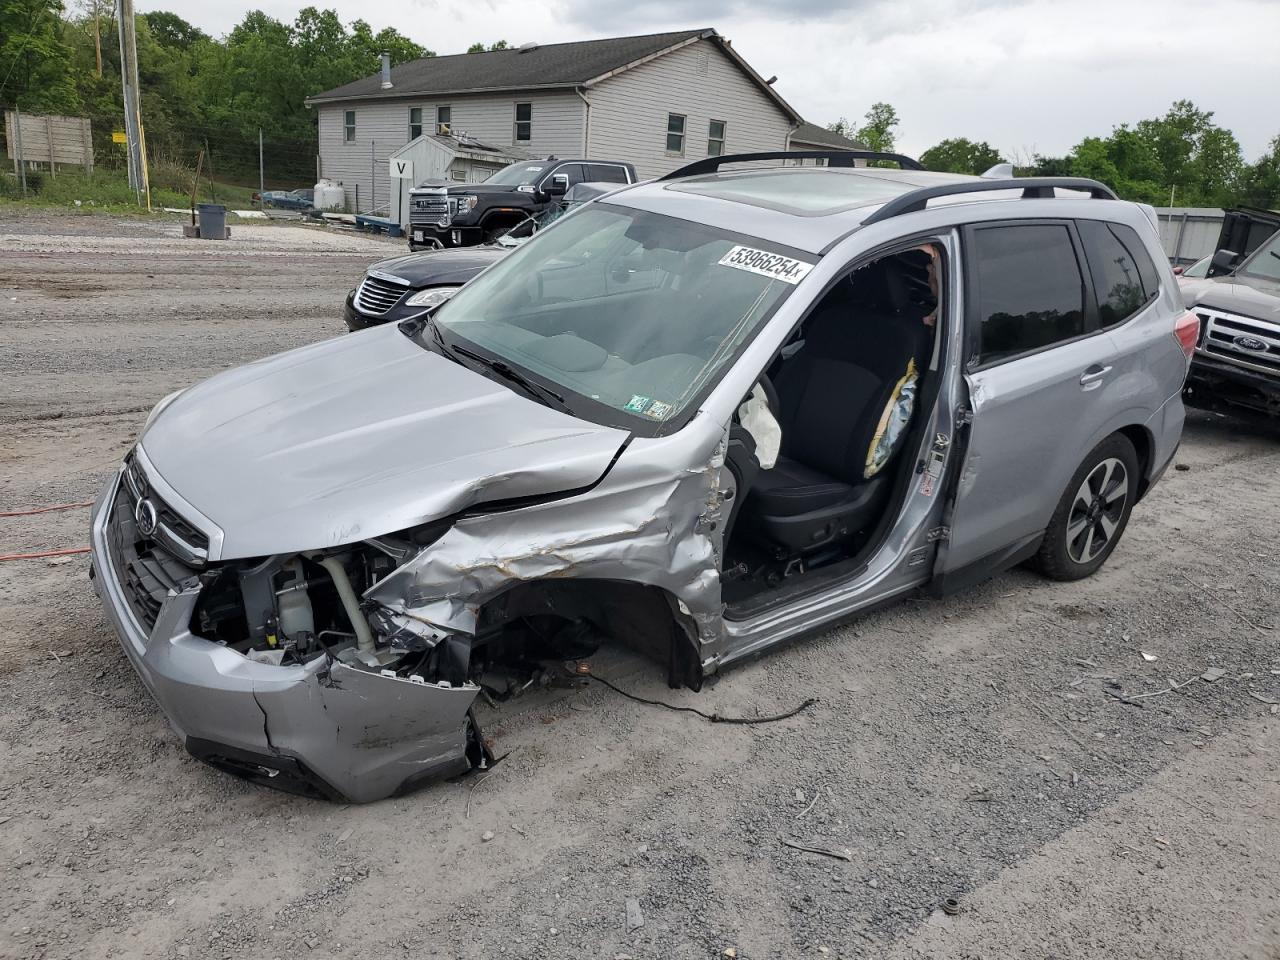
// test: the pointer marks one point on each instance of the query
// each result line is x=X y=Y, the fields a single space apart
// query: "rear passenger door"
x=1127 y=288
x=1036 y=361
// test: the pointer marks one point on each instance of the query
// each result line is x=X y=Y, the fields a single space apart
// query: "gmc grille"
x=431 y=210
x=1243 y=341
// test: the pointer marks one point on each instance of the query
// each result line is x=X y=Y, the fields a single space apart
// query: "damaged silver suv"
x=695 y=418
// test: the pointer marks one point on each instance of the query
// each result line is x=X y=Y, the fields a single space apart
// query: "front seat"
x=831 y=397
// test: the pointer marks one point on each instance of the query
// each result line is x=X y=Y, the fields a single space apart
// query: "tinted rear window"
x=606 y=173
x=1030 y=292
x=1123 y=275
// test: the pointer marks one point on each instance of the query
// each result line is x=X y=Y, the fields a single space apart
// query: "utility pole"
x=262 y=186
x=132 y=109
x=97 y=36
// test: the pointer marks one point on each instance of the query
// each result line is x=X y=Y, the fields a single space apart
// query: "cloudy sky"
x=1028 y=76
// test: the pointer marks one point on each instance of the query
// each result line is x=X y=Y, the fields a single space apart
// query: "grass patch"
x=108 y=190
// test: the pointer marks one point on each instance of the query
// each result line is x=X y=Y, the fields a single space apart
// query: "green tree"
x=170 y=30
x=35 y=61
x=1184 y=153
x=481 y=48
x=1260 y=182
x=960 y=155
x=877 y=130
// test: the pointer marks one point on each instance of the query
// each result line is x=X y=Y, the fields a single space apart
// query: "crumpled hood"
x=1244 y=295
x=441 y=267
x=358 y=437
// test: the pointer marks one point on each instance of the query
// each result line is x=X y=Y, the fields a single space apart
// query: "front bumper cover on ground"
x=323 y=729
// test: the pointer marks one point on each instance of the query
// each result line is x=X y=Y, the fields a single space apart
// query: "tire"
x=1092 y=514
x=493 y=231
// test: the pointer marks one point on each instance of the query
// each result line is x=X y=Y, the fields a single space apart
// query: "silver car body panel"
x=356 y=438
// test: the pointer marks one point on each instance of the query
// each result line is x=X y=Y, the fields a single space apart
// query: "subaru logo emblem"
x=1250 y=343
x=145 y=516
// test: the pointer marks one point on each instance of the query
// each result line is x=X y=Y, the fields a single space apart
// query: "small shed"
x=443 y=156
x=1188 y=233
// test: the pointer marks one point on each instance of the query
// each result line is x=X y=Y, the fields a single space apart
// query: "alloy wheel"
x=1096 y=510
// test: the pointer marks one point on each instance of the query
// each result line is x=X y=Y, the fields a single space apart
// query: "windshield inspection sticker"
x=637 y=404
x=771 y=265
x=658 y=410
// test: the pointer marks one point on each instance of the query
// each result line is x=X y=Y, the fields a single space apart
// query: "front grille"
x=1243 y=341
x=182 y=539
x=429 y=210
x=145 y=568
x=375 y=295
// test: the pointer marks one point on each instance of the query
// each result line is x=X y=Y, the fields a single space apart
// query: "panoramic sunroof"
x=802 y=193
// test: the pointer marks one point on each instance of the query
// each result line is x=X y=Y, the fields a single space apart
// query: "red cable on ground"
x=61 y=506
x=41 y=556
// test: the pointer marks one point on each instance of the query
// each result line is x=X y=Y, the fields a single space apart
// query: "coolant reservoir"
x=294 y=603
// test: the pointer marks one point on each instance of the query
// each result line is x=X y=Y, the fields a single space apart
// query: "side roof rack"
x=834 y=158
x=1033 y=188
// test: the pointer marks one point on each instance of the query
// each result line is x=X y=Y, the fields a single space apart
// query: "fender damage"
x=286 y=693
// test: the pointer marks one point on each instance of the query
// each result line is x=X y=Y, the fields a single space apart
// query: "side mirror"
x=1223 y=262
x=557 y=186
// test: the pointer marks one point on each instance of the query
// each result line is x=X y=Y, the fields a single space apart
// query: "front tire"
x=1093 y=512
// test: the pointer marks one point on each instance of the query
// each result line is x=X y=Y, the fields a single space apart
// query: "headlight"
x=431 y=298
x=467 y=204
x=158 y=409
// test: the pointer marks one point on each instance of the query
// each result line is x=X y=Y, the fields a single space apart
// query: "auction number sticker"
x=771 y=265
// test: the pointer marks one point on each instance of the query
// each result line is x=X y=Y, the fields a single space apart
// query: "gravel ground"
x=972 y=748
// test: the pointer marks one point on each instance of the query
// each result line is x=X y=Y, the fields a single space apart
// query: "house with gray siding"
x=659 y=101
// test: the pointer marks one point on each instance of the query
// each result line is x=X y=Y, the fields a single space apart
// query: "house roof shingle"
x=547 y=65
x=811 y=133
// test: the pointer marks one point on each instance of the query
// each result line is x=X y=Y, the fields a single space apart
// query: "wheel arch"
x=1144 y=445
x=645 y=618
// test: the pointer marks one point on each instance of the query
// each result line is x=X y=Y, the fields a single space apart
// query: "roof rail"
x=1031 y=187
x=834 y=158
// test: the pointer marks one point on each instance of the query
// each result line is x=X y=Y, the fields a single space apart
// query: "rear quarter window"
x=1029 y=290
x=1124 y=278
x=606 y=173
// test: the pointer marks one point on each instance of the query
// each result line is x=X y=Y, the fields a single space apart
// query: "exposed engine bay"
x=296 y=610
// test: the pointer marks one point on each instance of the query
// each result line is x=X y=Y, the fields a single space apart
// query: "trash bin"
x=213 y=221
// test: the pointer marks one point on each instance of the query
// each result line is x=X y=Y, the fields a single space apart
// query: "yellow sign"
x=118 y=136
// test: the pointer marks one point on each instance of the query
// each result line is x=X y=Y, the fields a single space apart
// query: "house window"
x=715 y=138
x=349 y=126
x=675 y=133
x=524 y=123
x=444 y=117
x=415 y=123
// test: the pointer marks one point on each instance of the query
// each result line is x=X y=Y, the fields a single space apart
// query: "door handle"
x=1092 y=377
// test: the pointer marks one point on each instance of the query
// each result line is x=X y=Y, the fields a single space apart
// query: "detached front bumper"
x=321 y=729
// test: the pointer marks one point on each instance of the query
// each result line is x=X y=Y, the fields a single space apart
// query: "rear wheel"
x=1093 y=512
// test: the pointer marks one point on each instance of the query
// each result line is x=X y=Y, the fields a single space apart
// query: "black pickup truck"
x=464 y=214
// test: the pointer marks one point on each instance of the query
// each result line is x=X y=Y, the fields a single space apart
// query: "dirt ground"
x=972 y=748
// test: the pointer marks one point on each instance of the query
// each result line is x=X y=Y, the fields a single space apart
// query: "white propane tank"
x=329 y=195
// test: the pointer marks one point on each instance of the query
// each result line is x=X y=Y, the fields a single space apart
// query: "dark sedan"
x=402 y=286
